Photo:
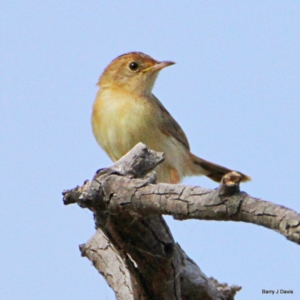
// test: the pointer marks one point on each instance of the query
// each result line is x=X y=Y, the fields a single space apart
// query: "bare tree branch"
x=107 y=261
x=128 y=205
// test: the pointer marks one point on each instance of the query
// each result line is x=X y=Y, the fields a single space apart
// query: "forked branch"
x=133 y=247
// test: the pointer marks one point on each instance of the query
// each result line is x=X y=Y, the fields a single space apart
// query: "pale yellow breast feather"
x=119 y=121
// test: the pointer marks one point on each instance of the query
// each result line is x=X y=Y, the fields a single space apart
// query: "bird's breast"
x=120 y=121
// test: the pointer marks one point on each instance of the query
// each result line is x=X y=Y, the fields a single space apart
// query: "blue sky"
x=234 y=90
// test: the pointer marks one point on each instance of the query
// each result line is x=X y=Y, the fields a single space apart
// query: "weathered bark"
x=106 y=260
x=133 y=247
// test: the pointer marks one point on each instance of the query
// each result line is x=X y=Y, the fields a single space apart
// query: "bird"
x=126 y=112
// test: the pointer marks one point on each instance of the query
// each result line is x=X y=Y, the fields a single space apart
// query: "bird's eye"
x=133 y=66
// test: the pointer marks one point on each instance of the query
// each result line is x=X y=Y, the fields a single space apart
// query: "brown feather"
x=213 y=171
x=169 y=125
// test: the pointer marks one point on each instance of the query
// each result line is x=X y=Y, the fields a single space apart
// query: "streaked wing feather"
x=169 y=126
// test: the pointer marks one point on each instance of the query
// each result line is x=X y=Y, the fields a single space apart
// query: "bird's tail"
x=211 y=170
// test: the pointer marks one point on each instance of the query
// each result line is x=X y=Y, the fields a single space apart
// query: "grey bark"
x=133 y=247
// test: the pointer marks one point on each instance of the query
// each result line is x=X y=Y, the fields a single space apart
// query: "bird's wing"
x=169 y=126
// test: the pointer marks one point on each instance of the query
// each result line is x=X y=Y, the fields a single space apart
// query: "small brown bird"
x=126 y=112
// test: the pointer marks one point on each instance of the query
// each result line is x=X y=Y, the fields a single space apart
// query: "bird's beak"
x=159 y=66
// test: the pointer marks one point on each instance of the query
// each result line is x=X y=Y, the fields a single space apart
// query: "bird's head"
x=135 y=72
